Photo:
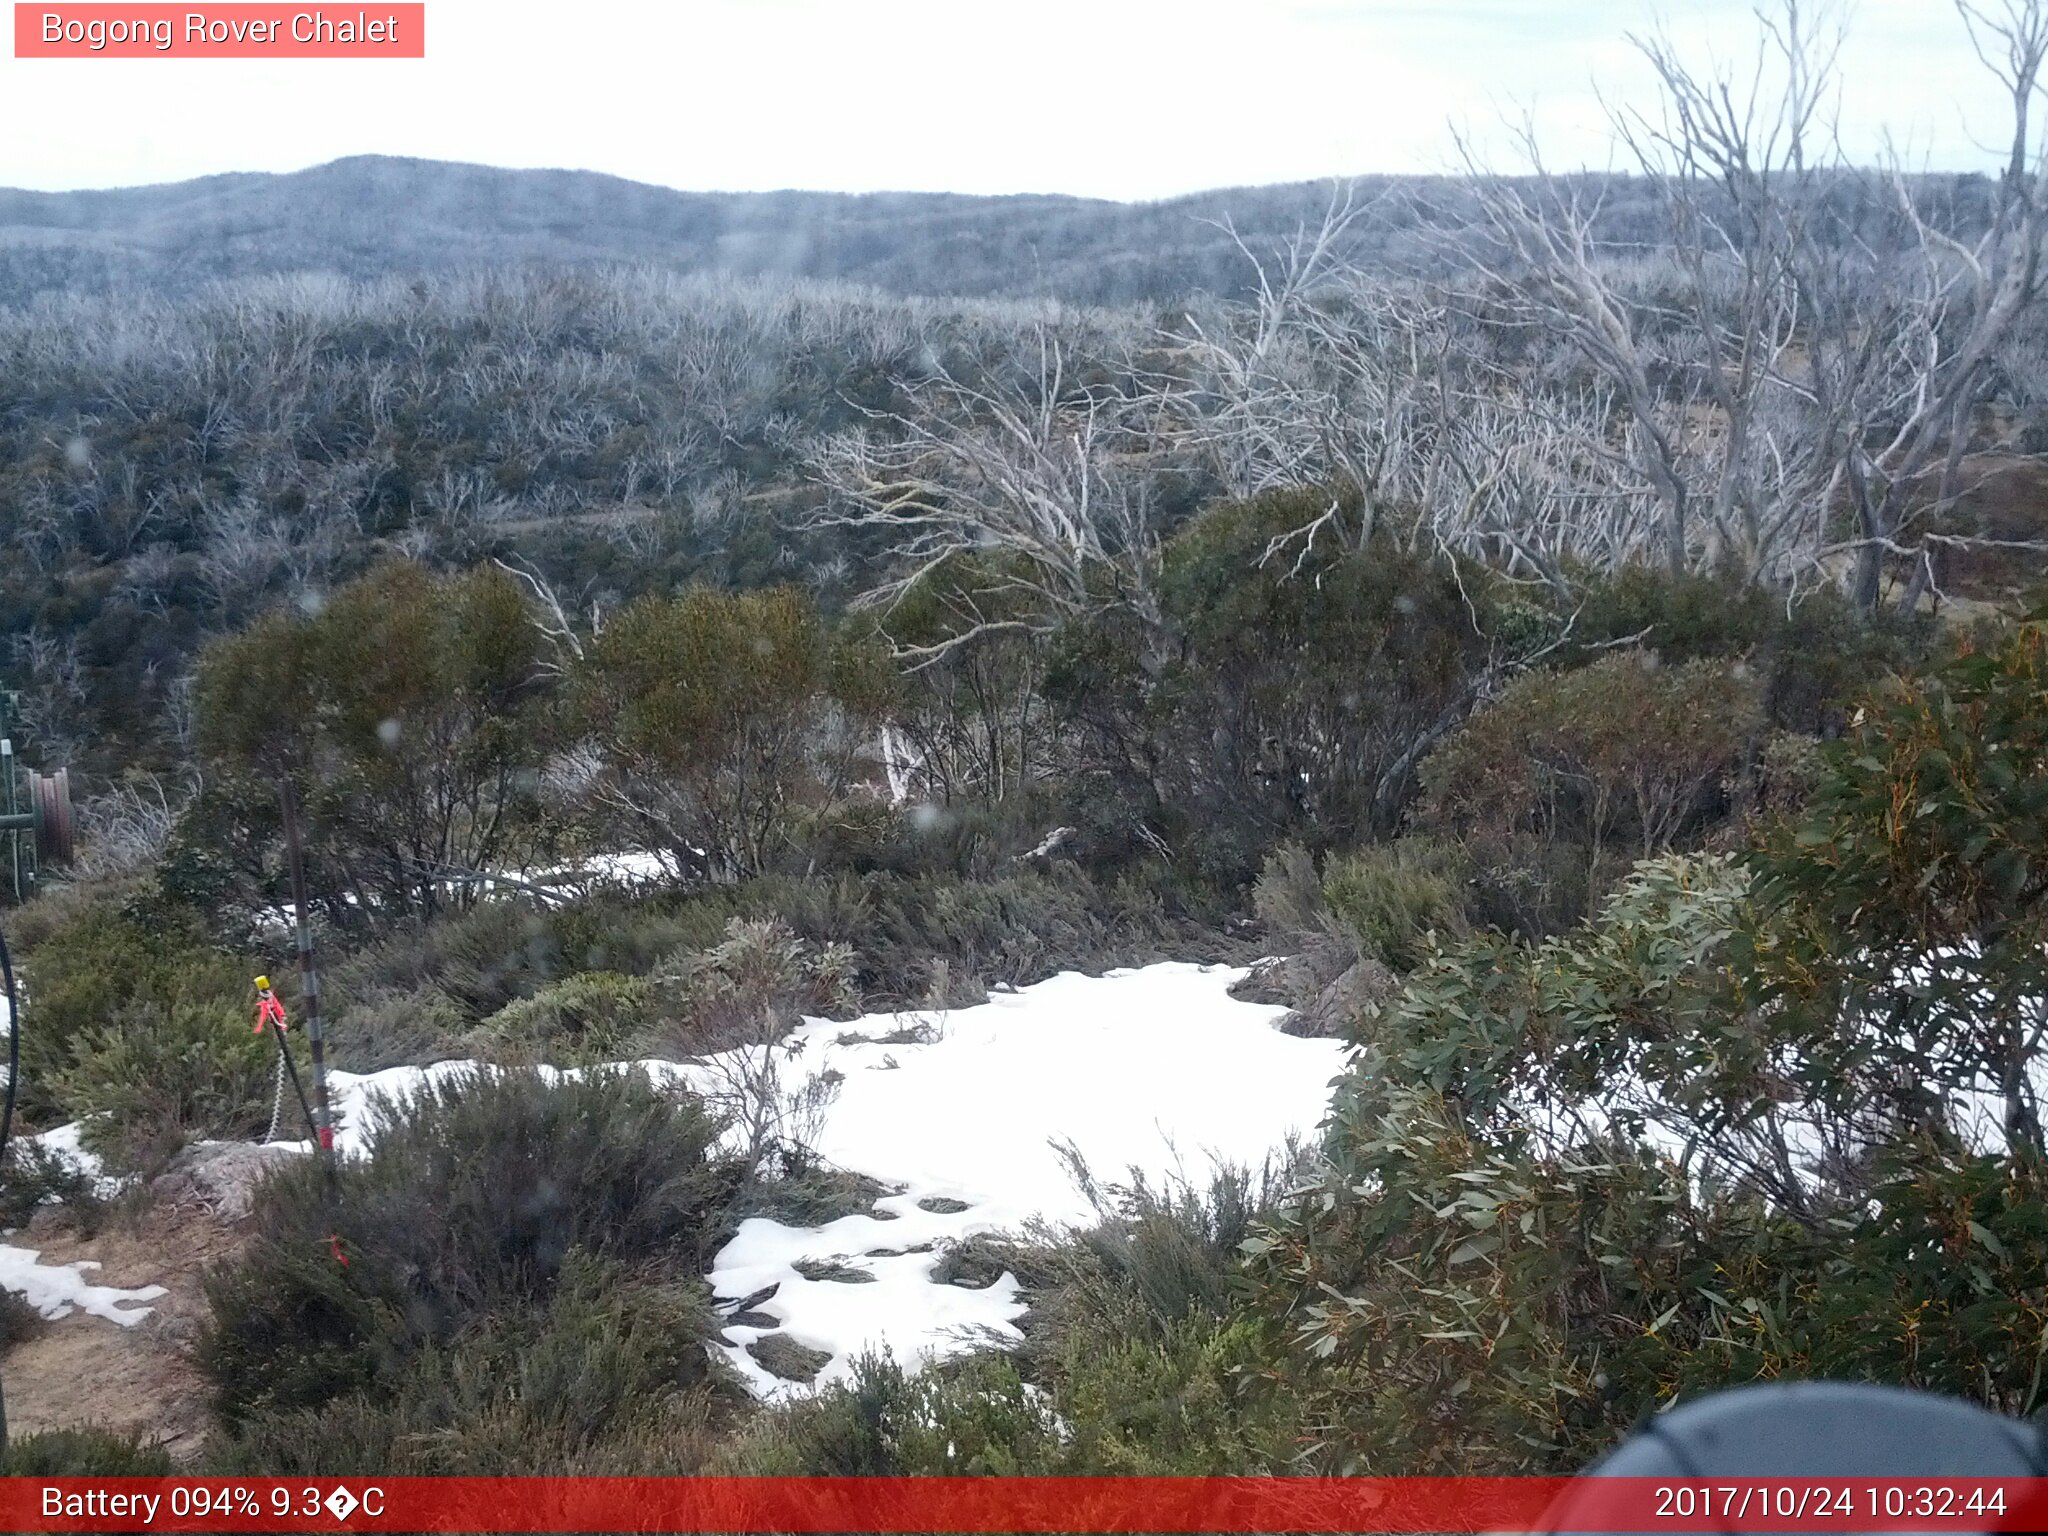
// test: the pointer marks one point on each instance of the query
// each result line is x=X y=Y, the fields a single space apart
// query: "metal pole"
x=309 y=977
x=13 y=810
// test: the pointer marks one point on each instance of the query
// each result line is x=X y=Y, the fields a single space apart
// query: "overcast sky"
x=1108 y=98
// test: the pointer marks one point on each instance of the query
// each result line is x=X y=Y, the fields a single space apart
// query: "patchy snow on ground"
x=56 y=1290
x=1158 y=1071
x=901 y=1306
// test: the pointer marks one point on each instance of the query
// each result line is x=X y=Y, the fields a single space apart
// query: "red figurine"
x=268 y=1009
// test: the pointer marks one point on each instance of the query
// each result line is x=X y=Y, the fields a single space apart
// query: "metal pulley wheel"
x=49 y=794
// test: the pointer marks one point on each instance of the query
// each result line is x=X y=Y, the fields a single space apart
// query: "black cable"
x=7 y=1110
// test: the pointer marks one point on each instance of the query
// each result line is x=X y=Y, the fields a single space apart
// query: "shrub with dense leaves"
x=474 y=1195
x=972 y=1418
x=407 y=711
x=720 y=716
x=970 y=715
x=608 y=1374
x=908 y=933
x=1756 y=1121
x=1809 y=657
x=133 y=1017
x=1915 y=890
x=754 y=987
x=1388 y=899
x=1297 y=686
x=583 y=1018
x=1568 y=776
x=83 y=1453
x=155 y=1074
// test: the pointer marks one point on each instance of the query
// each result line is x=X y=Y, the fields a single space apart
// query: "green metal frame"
x=37 y=820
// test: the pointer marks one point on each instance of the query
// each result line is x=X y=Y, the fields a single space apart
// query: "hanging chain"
x=276 y=1102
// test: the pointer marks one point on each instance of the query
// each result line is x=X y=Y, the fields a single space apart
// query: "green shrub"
x=83 y=1453
x=814 y=1196
x=133 y=961
x=497 y=953
x=154 y=1075
x=723 y=716
x=59 y=904
x=1286 y=692
x=586 y=1018
x=1568 y=776
x=610 y=1366
x=1809 y=661
x=479 y=962
x=1789 y=770
x=391 y=1000
x=761 y=982
x=386 y=1028
x=973 y=1417
x=473 y=1196
x=406 y=709
x=1500 y=1271
x=1288 y=896
x=1194 y=1400
x=1387 y=899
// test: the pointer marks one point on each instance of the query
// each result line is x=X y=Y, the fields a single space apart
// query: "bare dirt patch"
x=82 y=1369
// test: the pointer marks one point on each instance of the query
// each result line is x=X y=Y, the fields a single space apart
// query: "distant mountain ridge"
x=372 y=216
x=375 y=216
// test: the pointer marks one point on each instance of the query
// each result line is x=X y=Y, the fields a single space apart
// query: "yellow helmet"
x=262 y=983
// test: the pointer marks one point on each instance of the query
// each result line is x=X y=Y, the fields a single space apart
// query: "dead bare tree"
x=1943 y=319
x=1327 y=377
x=1039 y=481
x=1792 y=364
x=127 y=826
x=565 y=645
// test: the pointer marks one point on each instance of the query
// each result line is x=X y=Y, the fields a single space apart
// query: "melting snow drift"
x=56 y=1289
x=1158 y=1070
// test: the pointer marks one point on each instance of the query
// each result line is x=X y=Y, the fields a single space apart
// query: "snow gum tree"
x=720 y=717
x=1761 y=1117
x=407 y=711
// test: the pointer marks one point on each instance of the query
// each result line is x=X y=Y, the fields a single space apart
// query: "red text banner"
x=226 y=31
x=1050 y=1505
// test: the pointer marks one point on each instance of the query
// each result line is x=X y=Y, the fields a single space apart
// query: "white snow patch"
x=1158 y=1071
x=902 y=1308
x=55 y=1290
x=65 y=1145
